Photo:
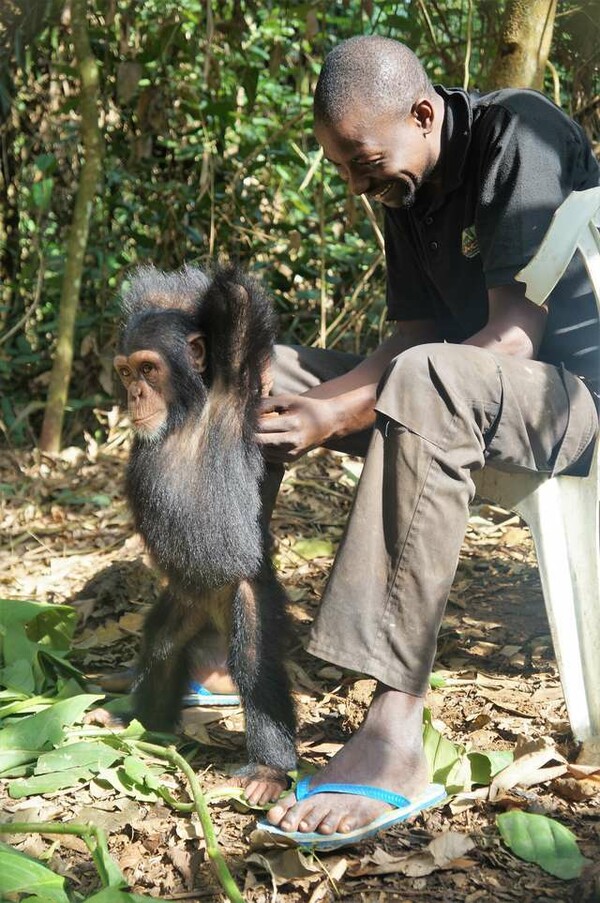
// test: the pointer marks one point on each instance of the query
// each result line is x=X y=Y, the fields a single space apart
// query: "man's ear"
x=197 y=345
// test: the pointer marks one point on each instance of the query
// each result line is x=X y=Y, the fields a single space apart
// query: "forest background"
x=164 y=132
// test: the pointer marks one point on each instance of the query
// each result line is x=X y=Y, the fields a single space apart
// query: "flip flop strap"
x=199 y=689
x=303 y=791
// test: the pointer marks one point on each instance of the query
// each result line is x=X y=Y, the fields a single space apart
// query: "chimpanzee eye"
x=124 y=372
x=146 y=369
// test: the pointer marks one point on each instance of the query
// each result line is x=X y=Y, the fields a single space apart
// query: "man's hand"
x=290 y=425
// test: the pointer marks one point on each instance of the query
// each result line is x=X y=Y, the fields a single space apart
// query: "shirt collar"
x=455 y=139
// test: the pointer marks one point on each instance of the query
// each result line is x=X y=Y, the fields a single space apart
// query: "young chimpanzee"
x=192 y=356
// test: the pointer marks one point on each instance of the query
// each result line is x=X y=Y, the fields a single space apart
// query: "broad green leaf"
x=313 y=548
x=93 y=754
x=122 y=783
x=536 y=838
x=458 y=778
x=35 y=732
x=11 y=759
x=48 y=783
x=441 y=754
x=484 y=765
x=110 y=873
x=140 y=773
x=20 y=874
x=18 y=676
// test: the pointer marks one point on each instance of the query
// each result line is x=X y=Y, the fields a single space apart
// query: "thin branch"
x=555 y=82
x=372 y=219
x=171 y=755
x=469 y=43
x=31 y=309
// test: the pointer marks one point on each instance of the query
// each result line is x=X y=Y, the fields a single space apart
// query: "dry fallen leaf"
x=443 y=852
x=528 y=766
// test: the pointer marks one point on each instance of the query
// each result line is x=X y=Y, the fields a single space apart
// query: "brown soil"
x=69 y=539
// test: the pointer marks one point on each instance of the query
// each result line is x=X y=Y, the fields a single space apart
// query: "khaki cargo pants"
x=443 y=411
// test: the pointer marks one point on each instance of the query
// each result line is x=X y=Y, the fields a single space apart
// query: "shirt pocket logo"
x=469 y=244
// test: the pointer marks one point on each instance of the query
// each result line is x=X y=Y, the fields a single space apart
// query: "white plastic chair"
x=563 y=512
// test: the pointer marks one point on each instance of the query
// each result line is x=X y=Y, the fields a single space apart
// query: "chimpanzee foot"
x=104 y=718
x=262 y=784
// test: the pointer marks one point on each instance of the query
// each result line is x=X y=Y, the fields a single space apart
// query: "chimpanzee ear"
x=197 y=344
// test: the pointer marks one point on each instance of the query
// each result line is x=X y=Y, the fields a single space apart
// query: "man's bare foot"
x=386 y=752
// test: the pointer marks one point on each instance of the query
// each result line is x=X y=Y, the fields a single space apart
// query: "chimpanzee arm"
x=240 y=328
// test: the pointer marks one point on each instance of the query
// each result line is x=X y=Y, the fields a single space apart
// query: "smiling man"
x=473 y=375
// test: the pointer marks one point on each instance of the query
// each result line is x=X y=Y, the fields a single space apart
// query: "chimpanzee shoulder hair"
x=194 y=490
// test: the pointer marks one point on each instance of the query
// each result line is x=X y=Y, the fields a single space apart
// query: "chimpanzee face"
x=146 y=377
x=154 y=390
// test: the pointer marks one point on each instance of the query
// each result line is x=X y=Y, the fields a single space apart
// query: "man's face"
x=386 y=158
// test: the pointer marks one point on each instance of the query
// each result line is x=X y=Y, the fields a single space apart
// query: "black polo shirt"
x=508 y=160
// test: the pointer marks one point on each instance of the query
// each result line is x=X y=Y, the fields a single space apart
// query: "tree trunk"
x=524 y=44
x=91 y=139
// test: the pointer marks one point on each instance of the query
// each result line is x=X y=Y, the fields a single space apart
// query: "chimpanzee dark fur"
x=194 y=490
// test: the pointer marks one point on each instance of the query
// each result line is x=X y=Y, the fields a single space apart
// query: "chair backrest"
x=573 y=228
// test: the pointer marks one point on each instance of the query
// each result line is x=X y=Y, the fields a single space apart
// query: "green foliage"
x=206 y=115
x=542 y=840
x=22 y=874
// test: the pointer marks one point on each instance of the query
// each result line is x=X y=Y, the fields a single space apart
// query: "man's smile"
x=382 y=192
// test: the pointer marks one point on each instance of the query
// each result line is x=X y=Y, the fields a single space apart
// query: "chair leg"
x=563 y=516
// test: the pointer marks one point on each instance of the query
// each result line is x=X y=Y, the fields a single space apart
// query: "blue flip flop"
x=198 y=695
x=402 y=810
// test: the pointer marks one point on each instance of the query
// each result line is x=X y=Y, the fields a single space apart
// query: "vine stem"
x=171 y=755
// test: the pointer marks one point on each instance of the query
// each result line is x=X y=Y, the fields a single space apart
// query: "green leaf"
x=110 y=873
x=41 y=193
x=441 y=754
x=20 y=874
x=48 y=783
x=536 y=838
x=484 y=765
x=35 y=732
x=18 y=676
x=313 y=548
x=93 y=754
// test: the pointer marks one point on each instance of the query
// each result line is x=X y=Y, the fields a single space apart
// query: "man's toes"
x=312 y=818
x=346 y=824
x=293 y=817
x=277 y=812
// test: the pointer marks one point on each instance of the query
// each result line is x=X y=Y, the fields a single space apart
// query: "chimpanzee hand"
x=290 y=425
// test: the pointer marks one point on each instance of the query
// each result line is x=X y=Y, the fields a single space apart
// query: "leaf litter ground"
x=69 y=539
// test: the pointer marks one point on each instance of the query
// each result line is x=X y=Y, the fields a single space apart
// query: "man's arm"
x=515 y=325
x=292 y=424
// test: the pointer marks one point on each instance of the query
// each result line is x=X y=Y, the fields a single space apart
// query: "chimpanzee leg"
x=258 y=632
x=165 y=660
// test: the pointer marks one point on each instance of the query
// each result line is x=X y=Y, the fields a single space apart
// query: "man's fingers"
x=274 y=404
x=280 y=424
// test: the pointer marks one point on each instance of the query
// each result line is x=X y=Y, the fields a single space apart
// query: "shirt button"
x=428 y=220
x=433 y=245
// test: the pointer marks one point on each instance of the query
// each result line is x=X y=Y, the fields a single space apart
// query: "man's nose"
x=357 y=182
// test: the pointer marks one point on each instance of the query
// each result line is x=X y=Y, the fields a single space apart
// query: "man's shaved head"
x=371 y=71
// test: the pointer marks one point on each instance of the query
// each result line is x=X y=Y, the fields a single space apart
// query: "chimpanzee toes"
x=262 y=784
x=104 y=718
